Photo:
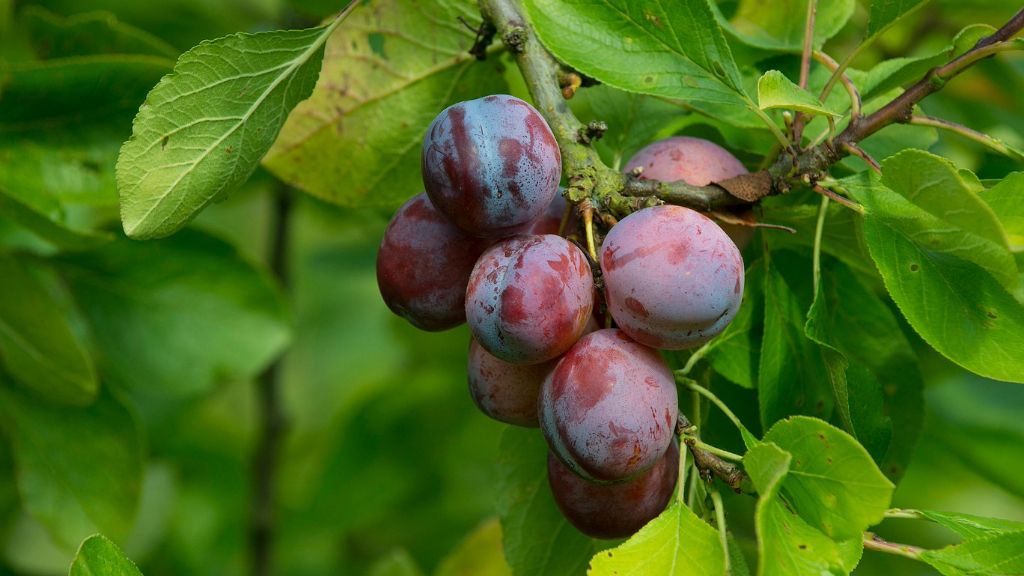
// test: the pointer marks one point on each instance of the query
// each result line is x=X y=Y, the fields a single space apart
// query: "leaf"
x=53 y=36
x=98 y=556
x=386 y=75
x=997 y=555
x=538 y=540
x=177 y=316
x=94 y=485
x=791 y=373
x=480 y=554
x=956 y=306
x=203 y=128
x=969 y=526
x=841 y=238
x=396 y=563
x=859 y=398
x=1004 y=200
x=735 y=353
x=37 y=344
x=774 y=90
x=643 y=47
x=780 y=25
x=676 y=543
x=885 y=13
x=832 y=482
x=787 y=546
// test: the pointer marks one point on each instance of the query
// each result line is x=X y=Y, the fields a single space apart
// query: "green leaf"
x=780 y=25
x=98 y=556
x=386 y=75
x=969 y=526
x=676 y=543
x=996 y=555
x=859 y=398
x=37 y=344
x=885 y=13
x=177 y=316
x=79 y=470
x=538 y=539
x=633 y=120
x=774 y=90
x=677 y=52
x=1005 y=201
x=396 y=563
x=955 y=305
x=203 y=128
x=787 y=545
x=53 y=36
x=735 y=353
x=832 y=482
x=791 y=373
x=480 y=554
x=841 y=238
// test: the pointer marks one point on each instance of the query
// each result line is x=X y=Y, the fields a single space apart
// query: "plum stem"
x=873 y=542
x=589 y=177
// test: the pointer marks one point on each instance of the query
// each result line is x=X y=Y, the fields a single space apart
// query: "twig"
x=873 y=542
x=805 y=66
x=723 y=534
x=819 y=229
x=271 y=417
x=860 y=153
x=844 y=201
x=851 y=90
x=969 y=133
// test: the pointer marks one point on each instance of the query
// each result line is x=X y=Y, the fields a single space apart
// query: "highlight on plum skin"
x=505 y=392
x=423 y=266
x=491 y=165
x=614 y=510
x=608 y=409
x=673 y=279
x=529 y=298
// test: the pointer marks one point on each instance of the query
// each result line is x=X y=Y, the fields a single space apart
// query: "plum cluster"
x=481 y=245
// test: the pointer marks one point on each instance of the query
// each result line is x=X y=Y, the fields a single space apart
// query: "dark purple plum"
x=423 y=266
x=608 y=410
x=698 y=162
x=506 y=392
x=614 y=510
x=529 y=298
x=550 y=221
x=673 y=279
x=491 y=164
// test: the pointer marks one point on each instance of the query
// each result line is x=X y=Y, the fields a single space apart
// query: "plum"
x=491 y=164
x=696 y=161
x=529 y=298
x=673 y=279
x=423 y=266
x=506 y=392
x=608 y=410
x=614 y=510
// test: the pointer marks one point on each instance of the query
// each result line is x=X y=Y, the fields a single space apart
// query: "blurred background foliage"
x=387 y=467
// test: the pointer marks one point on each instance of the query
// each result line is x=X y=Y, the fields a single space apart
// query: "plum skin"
x=423 y=266
x=529 y=298
x=673 y=278
x=491 y=165
x=696 y=161
x=505 y=392
x=608 y=410
x=614 y=510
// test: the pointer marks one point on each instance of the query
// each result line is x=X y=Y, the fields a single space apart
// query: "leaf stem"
x=723 y=534
x=907 y=513
x=818 y=230
x=851 y=90
x=969 y=133
x=714 y=450
x=805 y=66
x=692 y=385
x=873 y=542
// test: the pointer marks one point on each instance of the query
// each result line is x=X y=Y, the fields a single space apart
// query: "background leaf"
x=177 y=316
x=996 y=555
x=885 y=13
x=53 y=36
x=780 y=25
x=98 y=556
x=204 y=128
x=1004 y=200
x=92 y=486
x=37 y=344
x=386 y=75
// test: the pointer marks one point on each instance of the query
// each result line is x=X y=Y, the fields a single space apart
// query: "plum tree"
x=608 y=410
x=423 y=266
x=529 y=298
x=673 y=278
x=614 y=510
x=491 y=164
x=506 y=392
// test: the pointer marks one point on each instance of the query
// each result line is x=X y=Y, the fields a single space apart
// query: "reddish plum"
x=608 y=410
